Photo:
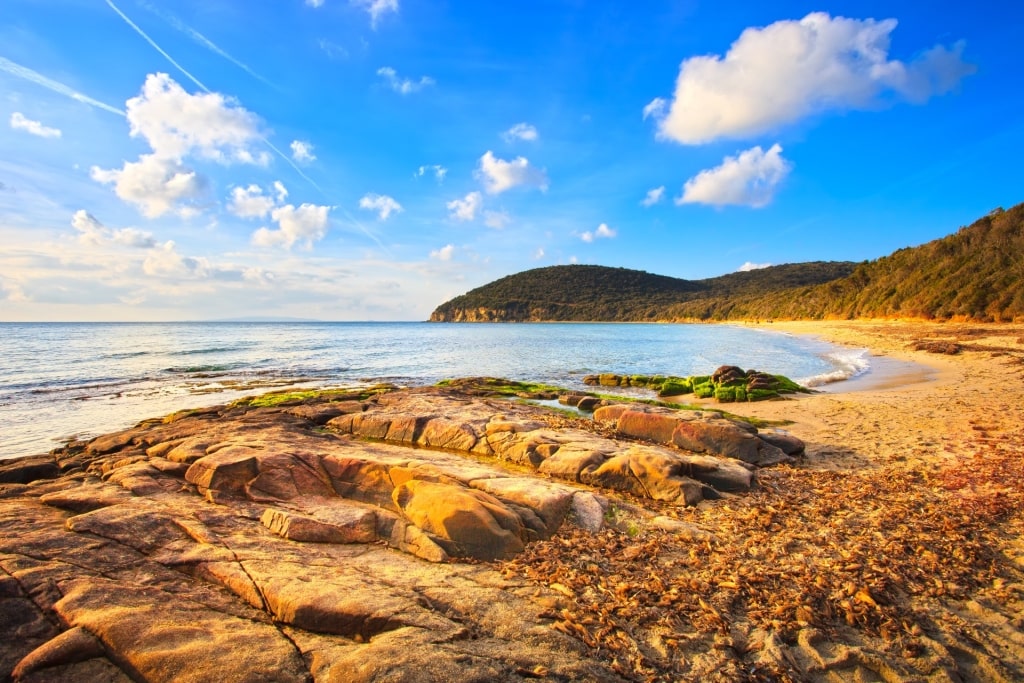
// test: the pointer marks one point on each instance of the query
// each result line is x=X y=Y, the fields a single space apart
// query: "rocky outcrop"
x=320 y=541
x=727 y=384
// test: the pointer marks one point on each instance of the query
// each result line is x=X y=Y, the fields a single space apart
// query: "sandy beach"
x=923 y=466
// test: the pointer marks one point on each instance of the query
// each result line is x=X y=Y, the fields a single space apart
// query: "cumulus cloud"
x=499 y=175
x=176 y=125
x=19 y=122
x=302 y=151
x=403 y=86
x=250 y=202
x=444 y=253
x=375 y=8
x=520 y=131
x=382 y=204
x=783 y=72
x=654 y=196
x=92 y=232
x=156 y=185
x=747 y=179
x=439 y=172
x=466 y=209
x=307 y=223
x=748 y=266
x=602 y=232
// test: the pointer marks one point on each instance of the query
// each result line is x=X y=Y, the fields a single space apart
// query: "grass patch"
x=286 y=397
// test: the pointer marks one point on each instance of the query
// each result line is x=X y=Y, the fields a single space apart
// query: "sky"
x=369 y=159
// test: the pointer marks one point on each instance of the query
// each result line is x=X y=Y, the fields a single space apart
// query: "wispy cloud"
x=375 y=8
x=439 y=172
x=654 y=196
x=382 y=204
x=521 y=131
x=403 y=86
x=50 y=84
x=19 y=122
x=302 y=151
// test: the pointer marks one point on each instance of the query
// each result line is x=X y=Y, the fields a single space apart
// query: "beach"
x=888 y=550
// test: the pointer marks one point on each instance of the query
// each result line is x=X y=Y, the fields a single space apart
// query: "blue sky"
x=369 y=159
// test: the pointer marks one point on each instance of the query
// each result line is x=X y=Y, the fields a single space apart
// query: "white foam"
x=847 y=364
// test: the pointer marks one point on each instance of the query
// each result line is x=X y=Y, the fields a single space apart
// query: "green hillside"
x=976 y=273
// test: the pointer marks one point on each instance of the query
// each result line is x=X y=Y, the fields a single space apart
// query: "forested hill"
x=584 y=293
x=976 y=273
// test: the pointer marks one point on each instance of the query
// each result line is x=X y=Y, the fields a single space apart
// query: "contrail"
x=39 y=79
x=198 y=37
x=267 y=142
x=155 y=46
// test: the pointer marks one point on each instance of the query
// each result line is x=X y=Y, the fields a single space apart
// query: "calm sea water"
x=60 y=380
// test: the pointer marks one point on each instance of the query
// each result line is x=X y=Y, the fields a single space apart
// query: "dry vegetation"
x=906 y=569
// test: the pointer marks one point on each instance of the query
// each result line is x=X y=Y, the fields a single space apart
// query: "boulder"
x=337 y=523
x=461 y=520
x=29 y=469
x=226 y=472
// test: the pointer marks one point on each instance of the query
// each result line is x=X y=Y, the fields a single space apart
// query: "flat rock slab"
x=321 y=541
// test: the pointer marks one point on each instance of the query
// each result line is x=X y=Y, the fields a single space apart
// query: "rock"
x=789 y=444
x=588 y=403
x=29 y=469
x=462 y=521
x=71 y=646
x=610 y=413
x=588 y=511
x=86 y=497
x=550 y=501
x=165 y=637
x=570 y=399
x=328 y=524
x=226 y=472
x=728 y=373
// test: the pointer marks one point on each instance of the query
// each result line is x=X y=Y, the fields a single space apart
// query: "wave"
x=126 y=354
x=211 y=349
x=847 y=363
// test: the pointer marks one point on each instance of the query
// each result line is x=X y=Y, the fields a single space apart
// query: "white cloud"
x=439 y=172
x=788 y=70
x=157 y=185
x=573 y=259
x=403 y=86
x=499 y=175
x=316 y=4
x=539 y=254
x=496 y=219
x=302 y=151
x=94 y=233
x=444 y=253
x=747 y=179
x=13 y=292
x=654 y=196
x=165 y=261
x=333 y=50
x=655 y=108
x=465 y=209
x=520 y=131
x=602 y=232
x=19 y=122
x=282 y=193
x=375 y=8
x=250 y=202
x=382 y=204
x=748 y=266
x=308 y=224
x=176 y=123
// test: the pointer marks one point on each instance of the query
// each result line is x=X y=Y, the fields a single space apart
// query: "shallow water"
x=59 y=380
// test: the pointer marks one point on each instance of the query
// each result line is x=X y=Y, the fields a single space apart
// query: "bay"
x=59 y=380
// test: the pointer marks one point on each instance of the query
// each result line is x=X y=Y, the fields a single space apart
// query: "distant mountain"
x=976 y=273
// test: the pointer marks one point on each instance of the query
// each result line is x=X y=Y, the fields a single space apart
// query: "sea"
x=60 y=381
